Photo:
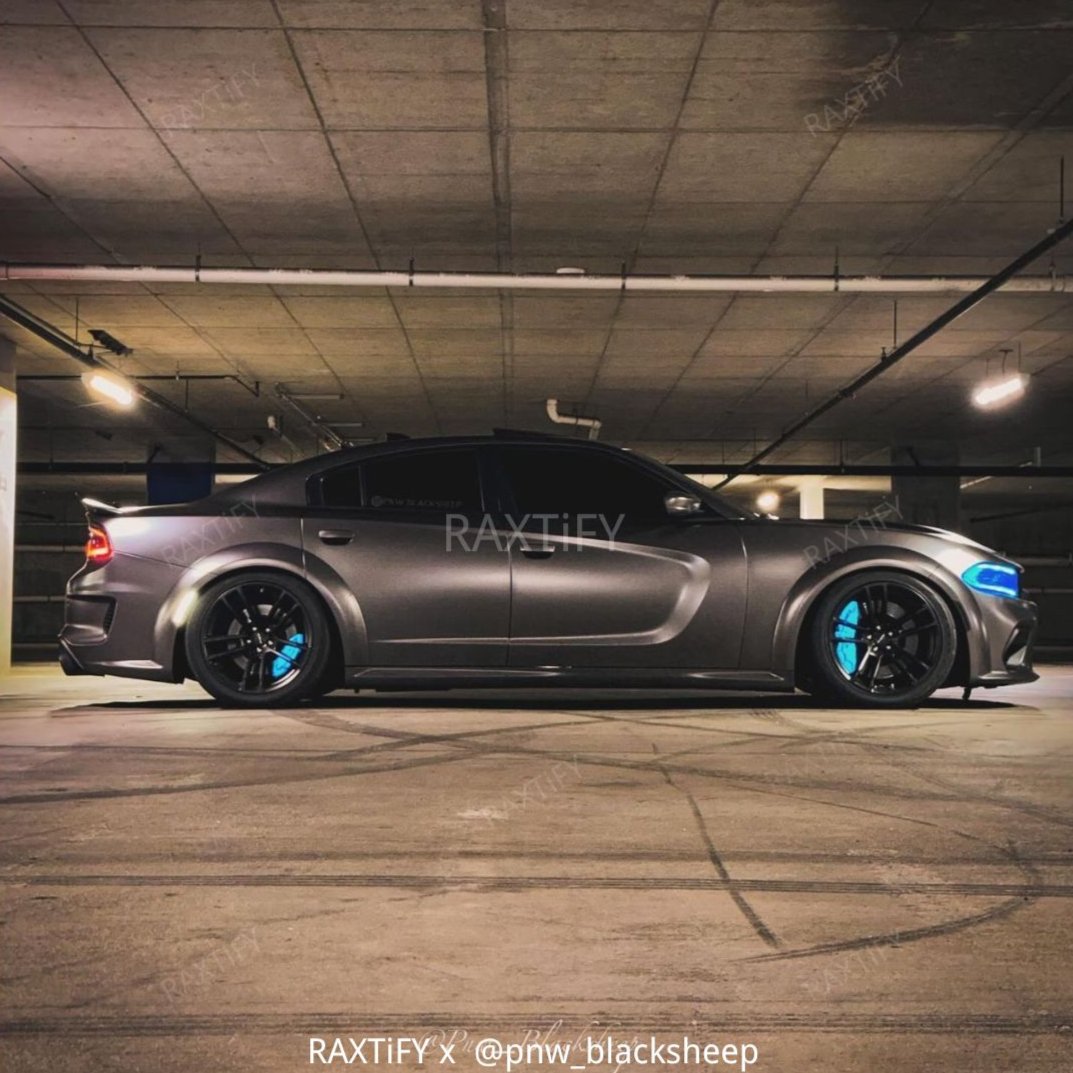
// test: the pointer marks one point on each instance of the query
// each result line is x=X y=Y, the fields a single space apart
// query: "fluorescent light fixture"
x=768 y=502
x=110 y=386
x=999 y=391
x=996 y=579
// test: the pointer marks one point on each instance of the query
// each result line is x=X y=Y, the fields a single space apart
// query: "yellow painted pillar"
x=8 y=430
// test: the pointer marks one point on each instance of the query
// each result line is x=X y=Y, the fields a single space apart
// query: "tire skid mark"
x=730 y=778
x=957 y=791
x=337 y=1022
x=462 y=853
x=739 y=778
x=724 y=882
x=754 y=919
x=60 y=797
x=947 y=927
x=969 y=793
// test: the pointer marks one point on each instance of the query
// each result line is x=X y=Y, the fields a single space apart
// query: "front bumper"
x=1007 y=639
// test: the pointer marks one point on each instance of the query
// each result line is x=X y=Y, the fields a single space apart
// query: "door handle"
x=538 y=553
x=336 y=536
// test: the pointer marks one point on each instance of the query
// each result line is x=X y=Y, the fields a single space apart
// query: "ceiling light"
x=997 y=392
x=767 y=502
x=111 y=387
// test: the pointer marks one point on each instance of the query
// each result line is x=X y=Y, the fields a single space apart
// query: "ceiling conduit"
x=66 y=345
x=571 y=281
x=1000 y=279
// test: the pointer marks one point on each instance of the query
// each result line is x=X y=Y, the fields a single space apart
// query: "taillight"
x=99 y=548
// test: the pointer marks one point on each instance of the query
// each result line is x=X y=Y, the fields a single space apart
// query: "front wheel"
x=259 y=639
x=880 y=639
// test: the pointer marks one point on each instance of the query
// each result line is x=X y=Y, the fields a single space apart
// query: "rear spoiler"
x=97 y=511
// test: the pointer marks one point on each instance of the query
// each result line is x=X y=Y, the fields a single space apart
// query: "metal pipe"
x=593 y=424
x=243 y=469
x=126 y=469
x=531 y=281
x=63 y=342
x=1049 y=241
x=327 y=436
x=780 y=469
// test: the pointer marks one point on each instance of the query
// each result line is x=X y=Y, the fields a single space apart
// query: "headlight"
x=996 y=579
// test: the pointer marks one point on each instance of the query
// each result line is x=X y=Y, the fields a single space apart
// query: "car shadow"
x=549 y=700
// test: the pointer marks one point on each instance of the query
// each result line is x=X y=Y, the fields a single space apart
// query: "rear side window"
x=427 y=482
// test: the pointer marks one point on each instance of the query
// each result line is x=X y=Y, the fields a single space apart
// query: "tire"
x=259 y=640
x=879 y=639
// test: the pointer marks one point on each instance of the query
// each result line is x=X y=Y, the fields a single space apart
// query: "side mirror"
x=679 y=504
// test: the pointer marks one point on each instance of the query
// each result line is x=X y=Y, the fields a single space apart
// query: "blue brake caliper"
x=846 y=652
x=288 y=656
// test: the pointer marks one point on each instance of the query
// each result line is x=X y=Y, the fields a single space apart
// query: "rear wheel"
x=259 y=639
x=880 y=639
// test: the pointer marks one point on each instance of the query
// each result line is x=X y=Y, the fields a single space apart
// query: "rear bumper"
x=112 y=622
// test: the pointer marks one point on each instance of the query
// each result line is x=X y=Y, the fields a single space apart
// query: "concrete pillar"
x=810 y=491
x=8 y=430
x=927 y=500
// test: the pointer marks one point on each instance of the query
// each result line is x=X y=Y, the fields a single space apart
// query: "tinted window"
x=433 y=482
x=556 y=481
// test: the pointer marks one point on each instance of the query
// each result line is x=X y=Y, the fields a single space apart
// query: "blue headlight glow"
x=996 y=579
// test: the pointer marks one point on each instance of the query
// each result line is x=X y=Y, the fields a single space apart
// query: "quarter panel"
x=786 y=575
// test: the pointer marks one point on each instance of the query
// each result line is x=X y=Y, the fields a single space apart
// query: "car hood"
x=865 y=523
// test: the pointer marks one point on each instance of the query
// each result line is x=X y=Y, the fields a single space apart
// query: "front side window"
x=426 y=482
x=555 y=481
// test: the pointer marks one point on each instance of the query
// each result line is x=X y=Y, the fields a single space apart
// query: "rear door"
x=384 y=527
x=604 y=577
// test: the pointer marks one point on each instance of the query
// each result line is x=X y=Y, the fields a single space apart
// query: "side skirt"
x=405 y=678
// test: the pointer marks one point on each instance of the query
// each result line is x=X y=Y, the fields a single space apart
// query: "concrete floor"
x=187 y=888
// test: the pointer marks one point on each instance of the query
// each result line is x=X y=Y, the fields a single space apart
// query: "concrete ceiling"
x=669 y=136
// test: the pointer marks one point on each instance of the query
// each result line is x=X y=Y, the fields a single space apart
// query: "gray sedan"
x=526 y=559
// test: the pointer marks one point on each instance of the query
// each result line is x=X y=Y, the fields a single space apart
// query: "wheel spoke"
x=282 y=611
x=899 y=656
x=227 y=652
x=257 y=637
x=869 y=653
x=897 y=639
x=237 y=606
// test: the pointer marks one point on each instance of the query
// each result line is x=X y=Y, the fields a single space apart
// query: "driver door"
x=603 y=576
